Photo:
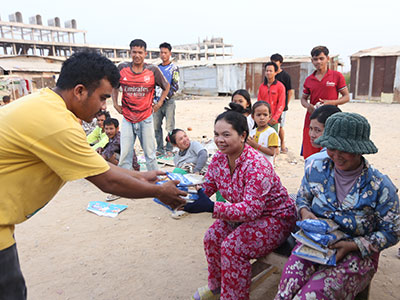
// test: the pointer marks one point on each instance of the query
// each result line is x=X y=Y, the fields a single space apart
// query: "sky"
x=255 y=28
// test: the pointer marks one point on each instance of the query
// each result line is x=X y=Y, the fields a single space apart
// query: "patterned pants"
x=229 y=249
x=302 y=279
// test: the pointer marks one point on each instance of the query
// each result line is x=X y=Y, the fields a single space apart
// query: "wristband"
x=259 y=146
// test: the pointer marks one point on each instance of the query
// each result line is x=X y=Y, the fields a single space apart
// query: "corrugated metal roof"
x=379 y=51
x=29 y=64
x=192 y=63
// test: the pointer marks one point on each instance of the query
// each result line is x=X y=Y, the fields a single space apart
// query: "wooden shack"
x=375 y=74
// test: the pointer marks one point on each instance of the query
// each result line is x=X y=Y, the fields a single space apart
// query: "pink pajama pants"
x=302 y=279
x=229 y=249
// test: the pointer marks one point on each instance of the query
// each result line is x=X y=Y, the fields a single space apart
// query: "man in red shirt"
x=138 y=81
x=273 y=92
x=322 y=87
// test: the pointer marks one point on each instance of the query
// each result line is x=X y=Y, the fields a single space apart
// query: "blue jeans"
x=12 y=283
x=167 y=110
x=144 y=130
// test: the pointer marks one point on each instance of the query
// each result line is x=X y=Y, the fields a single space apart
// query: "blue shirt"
x=171 y=73
x=369 y=213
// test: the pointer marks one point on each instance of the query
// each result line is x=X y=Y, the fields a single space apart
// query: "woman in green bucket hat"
x=345 y=188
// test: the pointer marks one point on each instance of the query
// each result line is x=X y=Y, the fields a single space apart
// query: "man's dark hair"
x=235 y=119
x=271 y=63
x=110 y=121
x=6 y=99
x=276 y=57
x=87 y=68
x=138 y=43
x=103 y=113
x=323 y=112
x=166 y=45
x=318 y=50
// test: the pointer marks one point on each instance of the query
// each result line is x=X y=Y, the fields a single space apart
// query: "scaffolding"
x=18 y=38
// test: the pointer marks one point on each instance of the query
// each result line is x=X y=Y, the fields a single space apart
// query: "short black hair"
x=110 y=121
x=261 y=103
x=166 y=45
x=276 y=57
x=323 y=112
x=171 y=137
x=235 y=119
x=271 y=63
x=245 y=94
x=87 y=68
x=138 y=43
x=103 y=113
x=318 y=50
x=6 y=99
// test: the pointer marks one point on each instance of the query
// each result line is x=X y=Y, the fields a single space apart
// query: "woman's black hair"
x=323 y=112
x=234 y=118
x=171 y=137
x=245 y=94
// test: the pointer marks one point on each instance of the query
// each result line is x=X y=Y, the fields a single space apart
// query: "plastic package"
x=308 y=253
x=318 y=225
x=326 y=239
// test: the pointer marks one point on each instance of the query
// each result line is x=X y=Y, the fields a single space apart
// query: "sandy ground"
x=69 y=253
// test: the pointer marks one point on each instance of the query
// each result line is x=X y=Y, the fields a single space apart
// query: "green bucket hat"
x=348 y=132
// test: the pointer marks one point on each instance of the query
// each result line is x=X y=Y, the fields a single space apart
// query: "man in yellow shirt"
x=42 y=146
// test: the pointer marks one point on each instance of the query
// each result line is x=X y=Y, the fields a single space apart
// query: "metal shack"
x=41 y=71
x=213 y=78
x=375 y=74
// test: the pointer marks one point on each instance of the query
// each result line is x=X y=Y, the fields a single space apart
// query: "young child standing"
x=263 y=138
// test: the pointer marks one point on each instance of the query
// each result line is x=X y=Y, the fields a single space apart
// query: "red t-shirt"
x=138 y=90
x=326 y=89
x=275 y=96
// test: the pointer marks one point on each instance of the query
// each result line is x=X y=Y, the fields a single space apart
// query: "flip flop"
x=205 y=293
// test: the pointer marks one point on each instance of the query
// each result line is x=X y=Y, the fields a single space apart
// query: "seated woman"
x=192 y=156
x=361 y=200
x=317 y=126
x=257 y=217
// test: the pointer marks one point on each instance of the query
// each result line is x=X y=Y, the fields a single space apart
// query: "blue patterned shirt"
x=369 y=212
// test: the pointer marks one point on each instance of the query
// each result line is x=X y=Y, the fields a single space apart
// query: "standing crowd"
x=255 y=215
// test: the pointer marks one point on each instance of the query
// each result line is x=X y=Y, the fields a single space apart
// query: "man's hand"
x=328 y=102
x=306 y=214
x=156 y=107
x=310 y=108
x=151 y=176
x=272 y=122
x=171 y=195
x=343 y=248
x=118 y=108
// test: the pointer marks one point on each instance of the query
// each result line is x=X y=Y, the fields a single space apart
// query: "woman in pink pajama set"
x=257 y=217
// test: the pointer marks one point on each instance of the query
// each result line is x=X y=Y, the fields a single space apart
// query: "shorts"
x=283 y=118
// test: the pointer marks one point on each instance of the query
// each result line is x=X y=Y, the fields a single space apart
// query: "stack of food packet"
x=315 y=236
x=187 y=183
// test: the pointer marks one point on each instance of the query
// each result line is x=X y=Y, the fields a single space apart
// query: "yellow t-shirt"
x=42 y=145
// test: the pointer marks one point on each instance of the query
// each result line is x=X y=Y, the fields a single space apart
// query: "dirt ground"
x=69 y=253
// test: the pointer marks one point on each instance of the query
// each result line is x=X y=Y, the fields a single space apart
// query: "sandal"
x=204 y=293
x=112 y=197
